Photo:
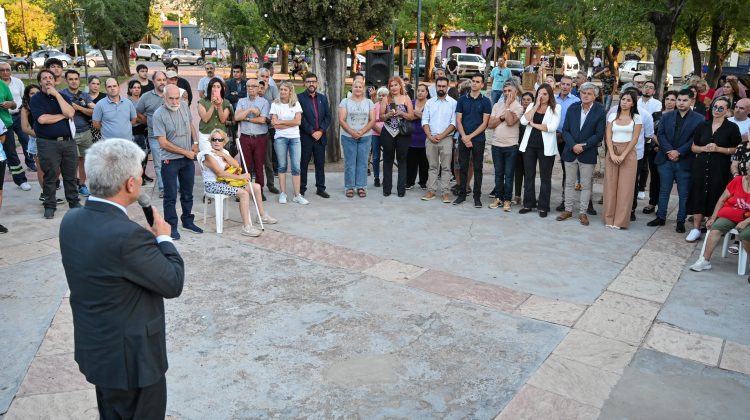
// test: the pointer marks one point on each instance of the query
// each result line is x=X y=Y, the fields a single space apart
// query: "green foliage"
x=167 y=40
x=239 y=23
x=39 y=29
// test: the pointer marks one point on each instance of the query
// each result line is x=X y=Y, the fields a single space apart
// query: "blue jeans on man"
x=669 y=172
x=504 y=160
x=496 y=94
x=183 y=171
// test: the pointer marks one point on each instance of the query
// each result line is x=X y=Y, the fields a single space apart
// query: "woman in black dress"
x=714 y=143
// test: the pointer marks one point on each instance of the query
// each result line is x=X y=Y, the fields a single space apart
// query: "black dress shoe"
x=649 y=209
x=543 y=213
x=459 y=200
x=561 y=207
x=386 y=194
x=632 y=216
x=323 y=194
x=49 y=213
x=401 y=194
x=477 y=203
x=273 y=190
x=377 y=181
x=680 y=228
x=263 y=196
x=524 y=210
x=3 y=229
x=74 y=205
x=657 y=222
x=590 y=211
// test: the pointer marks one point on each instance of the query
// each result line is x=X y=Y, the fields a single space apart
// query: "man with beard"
x=84 y=106
x=439 y=122
x=316 y=117
x=203 y=82
x=173 y=127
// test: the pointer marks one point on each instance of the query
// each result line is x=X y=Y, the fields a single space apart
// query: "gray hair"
x=383 y=91
x=589 y=86
x=262 y=71
x=109 y=163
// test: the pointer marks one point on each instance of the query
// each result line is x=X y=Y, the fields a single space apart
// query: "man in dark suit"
x=316 y=117
x=118 y=279
x=675 y=158
x=582 y=132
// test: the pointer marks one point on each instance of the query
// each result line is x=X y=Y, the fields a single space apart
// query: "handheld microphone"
x=145 y=202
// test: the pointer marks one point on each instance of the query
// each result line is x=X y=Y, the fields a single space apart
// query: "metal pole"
x=497 y=14
x=393 y=48
x=419 y=37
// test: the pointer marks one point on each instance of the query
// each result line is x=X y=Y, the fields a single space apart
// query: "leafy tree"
x=663 y=15
x=38 y=27
x=730 y=26
x=438 y=17
x=330 y=26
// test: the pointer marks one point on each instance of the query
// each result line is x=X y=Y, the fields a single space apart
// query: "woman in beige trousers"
x=623 y=129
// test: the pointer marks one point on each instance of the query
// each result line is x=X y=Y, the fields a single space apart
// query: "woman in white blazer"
x=539 y=144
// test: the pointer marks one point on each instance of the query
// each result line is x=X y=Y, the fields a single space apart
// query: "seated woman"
x=213 y=164
x=732 y=211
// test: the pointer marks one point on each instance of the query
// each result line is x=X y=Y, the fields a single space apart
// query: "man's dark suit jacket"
x=118 y=276
x=589 y=135
x=308 y=115
x=667 y=141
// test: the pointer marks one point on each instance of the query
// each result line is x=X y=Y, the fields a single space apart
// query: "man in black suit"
x=674 y=159
x=316 y=117
x=583 y=130
x=119 y=274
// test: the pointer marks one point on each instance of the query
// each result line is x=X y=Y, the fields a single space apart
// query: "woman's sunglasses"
x=718 y=108
x=217 y=139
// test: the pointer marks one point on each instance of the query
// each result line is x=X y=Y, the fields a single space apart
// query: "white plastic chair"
x=741 y=261
x=219 y=209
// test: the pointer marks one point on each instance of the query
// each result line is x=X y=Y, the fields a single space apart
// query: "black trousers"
x=519 y=175
x=397 y=147
x=139 y=403
x=654 y=183
x=476 y=153
x=58 y=155
x=416 y=164
x=643 y=163
x=316 y=150
x=532 y=157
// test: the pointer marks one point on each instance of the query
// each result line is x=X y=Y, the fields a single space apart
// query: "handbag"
x=231 y=181
x=404 y=127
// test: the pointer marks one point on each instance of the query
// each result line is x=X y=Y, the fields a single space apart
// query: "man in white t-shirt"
x=740 y=117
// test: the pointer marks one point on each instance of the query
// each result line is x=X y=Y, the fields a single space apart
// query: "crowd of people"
x=436 y=135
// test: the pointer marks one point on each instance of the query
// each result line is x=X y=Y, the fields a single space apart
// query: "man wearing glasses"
x=252 y=115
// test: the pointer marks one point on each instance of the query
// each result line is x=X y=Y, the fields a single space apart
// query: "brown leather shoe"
x=429 y=196
x=564 y=216
x=583 y=219
x=447 y=198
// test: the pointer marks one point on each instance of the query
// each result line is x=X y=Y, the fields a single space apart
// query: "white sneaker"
x=251 y=231
x=268 y=219
x=300 y=199
x=694 y=235
x=25 y=186
x=701 y=265
x=282 y=198
x=641 y=195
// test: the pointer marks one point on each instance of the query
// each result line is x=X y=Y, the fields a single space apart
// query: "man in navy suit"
x=582 y=132
x=119 y=274
x=675 y=159
x=316 y=117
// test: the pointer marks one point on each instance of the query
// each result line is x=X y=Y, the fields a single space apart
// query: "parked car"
x=562 y=65
x=631 y=68
x=94 y=58
x=151 y=52
x=179 y=56
x=422 y=63
x=361 y=61
x=469 y=64
x=39 y=57
x=272 y=55
x=16 y=63
x=515 y=66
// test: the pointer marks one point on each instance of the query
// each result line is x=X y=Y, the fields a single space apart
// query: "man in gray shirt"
x=146 y=107
x=173 y=127
x=114 y=115
x=252 y=114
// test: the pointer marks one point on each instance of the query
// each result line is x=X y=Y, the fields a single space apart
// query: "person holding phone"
x=214 y=112
x=394 y=108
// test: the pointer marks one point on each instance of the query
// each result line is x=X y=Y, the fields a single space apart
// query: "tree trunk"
x=284 y=59
x=120 y=64
x=691 y=30
x=665 y=24
x=235 y=54
x=331 y=82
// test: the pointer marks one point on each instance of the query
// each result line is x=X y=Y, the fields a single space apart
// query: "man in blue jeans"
x=675 y=159
x=174 y=129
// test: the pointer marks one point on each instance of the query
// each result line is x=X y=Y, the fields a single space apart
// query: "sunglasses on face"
x=217 y=139
x=718 y=108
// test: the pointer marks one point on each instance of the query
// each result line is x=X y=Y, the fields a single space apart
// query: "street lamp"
x=79 y=17
x=419 y=37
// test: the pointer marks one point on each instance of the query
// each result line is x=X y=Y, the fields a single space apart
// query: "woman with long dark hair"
x=214 y=112
x=714 y=143
x=539 y=146
x=394 y=109
x=416 y=158
x=623 y=129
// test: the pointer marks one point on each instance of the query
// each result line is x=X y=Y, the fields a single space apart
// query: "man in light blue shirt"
x=114 y=115
x=439 y=122
x=565 y=99
x=498 y=77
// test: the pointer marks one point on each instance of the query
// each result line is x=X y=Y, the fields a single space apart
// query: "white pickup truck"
x=151 y=52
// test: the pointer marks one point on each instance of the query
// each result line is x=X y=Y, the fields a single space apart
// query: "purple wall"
x=458 y=39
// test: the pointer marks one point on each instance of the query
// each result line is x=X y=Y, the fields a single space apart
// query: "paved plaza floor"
x=388 y=307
